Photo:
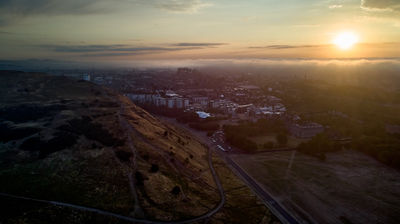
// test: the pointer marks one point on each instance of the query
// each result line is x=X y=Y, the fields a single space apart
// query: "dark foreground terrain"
x=70 y=141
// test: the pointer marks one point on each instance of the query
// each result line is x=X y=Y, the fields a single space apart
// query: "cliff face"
x=72 y=141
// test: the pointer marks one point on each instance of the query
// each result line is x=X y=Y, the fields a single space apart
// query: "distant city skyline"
x=90 y=30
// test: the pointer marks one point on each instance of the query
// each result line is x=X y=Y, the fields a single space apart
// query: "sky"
x=128 y=30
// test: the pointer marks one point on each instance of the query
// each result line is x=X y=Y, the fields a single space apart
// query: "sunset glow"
x=345 y=40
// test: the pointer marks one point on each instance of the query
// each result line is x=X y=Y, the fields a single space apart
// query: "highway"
x=223 y=149
x=218 y=144
x=269 y=201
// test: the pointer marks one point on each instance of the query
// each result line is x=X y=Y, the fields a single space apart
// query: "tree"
x=281 y=138
x=154 y=168
x=269 y=145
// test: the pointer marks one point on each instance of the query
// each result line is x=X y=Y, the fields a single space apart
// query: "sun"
x=345 y=40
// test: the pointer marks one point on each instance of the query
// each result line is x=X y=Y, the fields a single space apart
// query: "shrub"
x=123 y=156
x=269 y=145
x=154 y=168
x=176 y=190
x=281 y=138
x=205 y=126
x=25 y=113
x=318 y=146
x=92 y=131
x=60 y=141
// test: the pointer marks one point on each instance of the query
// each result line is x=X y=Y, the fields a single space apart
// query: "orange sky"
x=101 y=30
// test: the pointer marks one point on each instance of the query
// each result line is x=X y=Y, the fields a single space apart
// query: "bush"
x=61 y=140
x=123 y=156
x=269 y=145
x=241 y=142
x=92 y=131
x=281 y=138
x=188 y=117
x=206 y=126
x=318 y=146
x=383 y=148
x=261 y=127
x=25 y=113
x=154 y=168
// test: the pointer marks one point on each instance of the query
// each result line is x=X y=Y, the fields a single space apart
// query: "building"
x=86 y=77
x=171 y=103
x=159 y=101
x=202 y=100
x=308 y=130
x=179 y=103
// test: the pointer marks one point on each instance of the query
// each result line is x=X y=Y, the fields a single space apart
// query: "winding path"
x=205 y=216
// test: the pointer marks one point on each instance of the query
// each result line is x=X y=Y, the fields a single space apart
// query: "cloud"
x=381 y=5
x=122 y=49
x=14 y=10
x=183 y=6
x=77 y=7
x=278 y=47
x=335 y=6
x=198 y=44
x=52 y=7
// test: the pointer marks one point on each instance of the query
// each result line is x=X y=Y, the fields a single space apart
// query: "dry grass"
x=330 y=191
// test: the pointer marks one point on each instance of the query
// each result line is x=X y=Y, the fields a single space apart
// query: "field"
x=348 y=187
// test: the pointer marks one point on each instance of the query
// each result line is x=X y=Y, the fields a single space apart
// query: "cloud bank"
x=279 y=46
x=125 y=50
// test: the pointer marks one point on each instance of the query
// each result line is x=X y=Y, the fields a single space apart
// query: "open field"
x=348 y=187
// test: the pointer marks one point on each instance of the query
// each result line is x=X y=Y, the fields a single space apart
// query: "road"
x=223 y=149
x=217 y=142
x=269 y=201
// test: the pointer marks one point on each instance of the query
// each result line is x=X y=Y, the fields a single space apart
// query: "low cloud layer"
x=124 y=50
x=198 y=44
x=279 y=47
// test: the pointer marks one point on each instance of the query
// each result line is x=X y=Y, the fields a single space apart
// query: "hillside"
x=74 y=142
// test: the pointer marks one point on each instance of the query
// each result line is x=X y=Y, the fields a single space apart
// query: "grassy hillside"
x=75 y=142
